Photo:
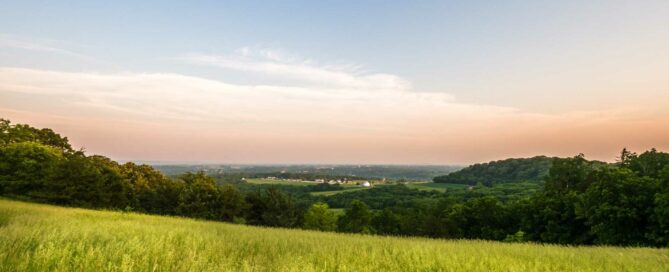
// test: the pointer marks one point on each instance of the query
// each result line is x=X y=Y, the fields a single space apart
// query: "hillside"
x=37 y=237
x=503 y=171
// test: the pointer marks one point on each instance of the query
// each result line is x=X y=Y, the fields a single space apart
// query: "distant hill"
x=503 y=171
x=392 y=172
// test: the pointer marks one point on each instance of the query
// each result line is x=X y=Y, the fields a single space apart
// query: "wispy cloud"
x=47 y=47
x=330 y=114
x=277 y=63
x=190 y=98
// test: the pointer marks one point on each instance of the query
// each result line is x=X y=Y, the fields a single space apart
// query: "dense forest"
x=581 y=202
x=504 y=171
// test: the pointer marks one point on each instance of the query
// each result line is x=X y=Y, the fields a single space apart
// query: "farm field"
x=347 y=187
x=425 y=186
x=279 y=182
x=346 y=190
x=36 y=237
x=431 y=186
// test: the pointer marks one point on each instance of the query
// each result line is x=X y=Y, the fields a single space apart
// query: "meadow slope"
x=37 y=237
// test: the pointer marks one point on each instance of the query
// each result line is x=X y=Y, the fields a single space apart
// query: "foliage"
x=504 y=171
x=25 y=166
x=381 y=196
x=618 y=205
x=20 y=133
x=387 y=222
x=649 y=163
x=320 y=217
x=585 y=202
x=517 y=237
x=199 y=196
x=357 y=218
x=271 y=208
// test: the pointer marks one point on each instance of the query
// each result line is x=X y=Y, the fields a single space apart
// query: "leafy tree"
x=24 y=133
x=381 y=197
x=231 y=203
x=626 y=158
x=504 y=171
x=550 y=216
x=517 y=237
x=113 y=189
x=320 y=217
x=659 y=232
x=649 y=163
x=198 y=197
x=414 y=217
x=436 y=221
x=357 y=219
x=482 y=218
x=89 y=182
x=145 y=192
x=387 y=222
x=26 y=167
x=618 y=205
x=553 y=219
x=164 y=198
x=568 y=175
x=271 y=208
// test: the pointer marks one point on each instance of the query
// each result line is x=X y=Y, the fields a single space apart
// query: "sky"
x=373 y=82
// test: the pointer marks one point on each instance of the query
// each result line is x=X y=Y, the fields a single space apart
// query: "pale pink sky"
x=437 y=83
x=170 y=117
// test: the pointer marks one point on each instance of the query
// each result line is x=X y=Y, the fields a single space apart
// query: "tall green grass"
x=37 y=237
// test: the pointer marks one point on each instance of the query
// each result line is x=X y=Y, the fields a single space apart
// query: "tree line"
x=582 y=202
x=533 y=169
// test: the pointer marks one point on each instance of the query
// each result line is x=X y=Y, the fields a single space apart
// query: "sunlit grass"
x=47 y=238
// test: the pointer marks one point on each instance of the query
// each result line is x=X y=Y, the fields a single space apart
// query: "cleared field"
x=346 y=189
x=47 y=238
x=431 y=186
x=425 y=186
x=280 y=182
x=338 y=211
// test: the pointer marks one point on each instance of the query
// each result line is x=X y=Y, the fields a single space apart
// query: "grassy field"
x=47 y=238
x=338 y=211
x=349 y=188
x=431 y=186
x=279 y=182
x=425 y=186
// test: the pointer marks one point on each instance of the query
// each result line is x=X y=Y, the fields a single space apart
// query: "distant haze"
x=309 y=82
